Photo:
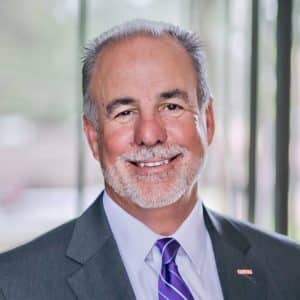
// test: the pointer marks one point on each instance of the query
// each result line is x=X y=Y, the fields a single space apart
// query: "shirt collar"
x=135 y=239
x=192 y=236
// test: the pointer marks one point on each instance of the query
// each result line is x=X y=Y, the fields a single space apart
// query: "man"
x=148 y=118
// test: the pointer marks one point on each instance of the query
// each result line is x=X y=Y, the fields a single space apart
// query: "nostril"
x=147 y=143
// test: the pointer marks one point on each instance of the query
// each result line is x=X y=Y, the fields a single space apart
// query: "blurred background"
x=47 y=174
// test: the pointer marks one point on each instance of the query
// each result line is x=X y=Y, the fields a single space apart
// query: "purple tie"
x=170 y=284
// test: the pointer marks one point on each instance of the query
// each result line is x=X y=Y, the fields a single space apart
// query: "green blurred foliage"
x=38 y=58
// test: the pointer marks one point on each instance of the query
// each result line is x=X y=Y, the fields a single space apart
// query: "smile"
x=152 y=164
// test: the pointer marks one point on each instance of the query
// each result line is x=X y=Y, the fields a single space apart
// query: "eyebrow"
x=111 y=106
x=175 y=93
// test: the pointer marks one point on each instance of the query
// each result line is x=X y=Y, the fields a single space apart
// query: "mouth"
x=154 y=163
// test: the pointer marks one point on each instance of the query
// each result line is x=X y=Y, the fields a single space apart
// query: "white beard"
x=154 y=190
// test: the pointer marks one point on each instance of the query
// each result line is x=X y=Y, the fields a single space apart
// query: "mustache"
x=156 y=152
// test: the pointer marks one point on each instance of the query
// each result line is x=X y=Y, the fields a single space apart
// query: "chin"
x=149 y=191
x=155 y=200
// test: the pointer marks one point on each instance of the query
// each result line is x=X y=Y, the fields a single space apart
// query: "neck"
x=164 y=220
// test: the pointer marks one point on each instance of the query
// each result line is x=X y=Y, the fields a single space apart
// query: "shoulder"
x=42 y=257
x=267 y=240
x=271 y=247
x=273 y=257
x=256 y=234
x=52 y=240
x=41 y=269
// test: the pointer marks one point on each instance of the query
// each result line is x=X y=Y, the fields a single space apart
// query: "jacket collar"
x=102 y=274
x=241 y=273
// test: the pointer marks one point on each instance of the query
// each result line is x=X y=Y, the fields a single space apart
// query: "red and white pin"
x=244 y=271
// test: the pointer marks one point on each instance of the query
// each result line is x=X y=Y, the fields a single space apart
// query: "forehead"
x=142 y=45
x=136 y=63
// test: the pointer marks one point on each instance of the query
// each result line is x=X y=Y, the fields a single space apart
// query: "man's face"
x=151 y=137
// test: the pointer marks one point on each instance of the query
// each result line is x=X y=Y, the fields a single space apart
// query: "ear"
x=92 y=136
x=210 y=121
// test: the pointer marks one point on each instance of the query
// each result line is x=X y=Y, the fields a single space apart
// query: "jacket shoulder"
x=42 y=260
x=274 y=258
x=56 y=240
x=266 y=239
x=273 y=248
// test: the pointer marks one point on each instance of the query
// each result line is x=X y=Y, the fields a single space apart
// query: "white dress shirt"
x=142 y=260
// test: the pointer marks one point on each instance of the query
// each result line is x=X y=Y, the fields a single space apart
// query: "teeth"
x=153 y=164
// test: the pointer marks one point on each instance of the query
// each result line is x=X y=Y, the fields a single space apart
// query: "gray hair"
x=189 y=40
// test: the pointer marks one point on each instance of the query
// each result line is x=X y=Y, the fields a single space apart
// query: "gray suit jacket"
x=80 y=260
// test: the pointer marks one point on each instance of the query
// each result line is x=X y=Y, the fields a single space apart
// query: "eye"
x=172 y=106
x=171 y=110
x=123 y=113
x=125 y=116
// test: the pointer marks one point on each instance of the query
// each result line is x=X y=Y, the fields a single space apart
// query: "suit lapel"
x=240 y=272
x=102 y=274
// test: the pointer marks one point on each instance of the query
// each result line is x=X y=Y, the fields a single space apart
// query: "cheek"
x=116 y=141
x=186 y=133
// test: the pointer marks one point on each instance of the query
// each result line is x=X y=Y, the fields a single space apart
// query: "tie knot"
x=168 y=248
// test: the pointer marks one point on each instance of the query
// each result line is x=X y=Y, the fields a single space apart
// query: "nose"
x=150 y=131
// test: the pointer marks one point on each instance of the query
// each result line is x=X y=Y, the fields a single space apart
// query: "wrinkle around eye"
x=172 y=110
x=125 y=115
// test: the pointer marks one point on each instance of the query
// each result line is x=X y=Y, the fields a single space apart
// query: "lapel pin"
x=244 y=271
